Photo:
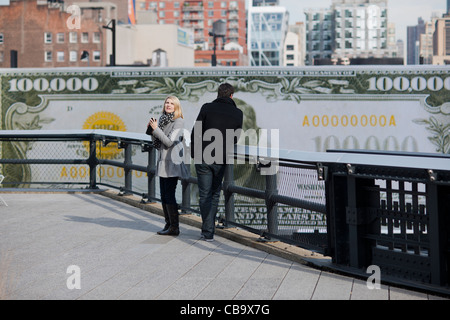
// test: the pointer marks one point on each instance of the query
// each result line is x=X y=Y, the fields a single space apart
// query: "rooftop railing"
x=362 y=208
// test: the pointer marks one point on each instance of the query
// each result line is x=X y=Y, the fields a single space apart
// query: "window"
x=96 y=38
x=60 y=37
x=73 y=37
x=48 y=37
x=85 y=37
x=73 y=56
x=290 y=47
x=162 y=5
x=1 y=38
x=96 y=56
x=176 y=4
x=48 y=56
x=290 y=57
x=2 y=56
x=60 y=56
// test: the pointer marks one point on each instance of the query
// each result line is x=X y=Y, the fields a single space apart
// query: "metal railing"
x=362 y=208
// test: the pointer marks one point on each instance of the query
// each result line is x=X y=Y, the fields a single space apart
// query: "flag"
x=131 y=12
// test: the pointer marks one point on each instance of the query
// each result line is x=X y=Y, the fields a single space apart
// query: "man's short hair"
x=225 y=90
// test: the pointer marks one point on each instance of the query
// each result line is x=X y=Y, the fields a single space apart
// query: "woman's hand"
x=153 y=123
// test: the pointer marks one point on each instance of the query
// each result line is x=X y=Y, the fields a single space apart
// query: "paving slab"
x=117 y=254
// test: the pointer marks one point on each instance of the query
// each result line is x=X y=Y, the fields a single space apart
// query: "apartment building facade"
x=294 y=46
x=349 y=29
x=441 y=40
x=199 y=15
x=319 y=34
x=361 y=29
x=40 y=33
x=426 y=42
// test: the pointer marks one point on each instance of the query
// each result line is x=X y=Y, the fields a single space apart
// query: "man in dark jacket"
x=213 y=137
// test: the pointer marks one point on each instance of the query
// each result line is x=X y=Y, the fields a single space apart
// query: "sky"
x=403 y=13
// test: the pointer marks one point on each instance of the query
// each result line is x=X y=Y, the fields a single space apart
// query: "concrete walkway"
x=89 y=246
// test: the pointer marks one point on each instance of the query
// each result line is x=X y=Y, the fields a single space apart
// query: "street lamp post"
x=214 y=57
x=112 y=61
x=219 y=30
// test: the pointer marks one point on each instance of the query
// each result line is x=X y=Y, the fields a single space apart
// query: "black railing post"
x=151 y=179
x=337 y=228
x=352 y=221
x=228 y=195
x=272 y=206
x=92 y=162
x=186 y=192
x=435 y=210
x=128 y=171
x=360 y=217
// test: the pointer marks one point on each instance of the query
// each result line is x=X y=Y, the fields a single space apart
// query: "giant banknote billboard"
x=394 y=108
x=314 y=109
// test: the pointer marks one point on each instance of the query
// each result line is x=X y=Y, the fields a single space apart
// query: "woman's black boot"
x=174 y=228
x=166 y=218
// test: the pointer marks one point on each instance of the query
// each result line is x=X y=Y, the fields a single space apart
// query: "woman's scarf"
x=164 y=120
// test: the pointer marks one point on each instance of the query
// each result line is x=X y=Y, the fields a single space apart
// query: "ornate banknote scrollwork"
x=20 y=116
x=439 y=127
x=282 y=88
x=440 y=133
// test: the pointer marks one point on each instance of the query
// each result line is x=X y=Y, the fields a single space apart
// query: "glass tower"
x=267 y=29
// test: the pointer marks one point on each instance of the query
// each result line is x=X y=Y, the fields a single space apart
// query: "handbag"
x=185 y=174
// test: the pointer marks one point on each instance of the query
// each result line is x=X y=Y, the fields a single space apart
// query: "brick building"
x=224 y=58
x=200 y=16
x=44 y=35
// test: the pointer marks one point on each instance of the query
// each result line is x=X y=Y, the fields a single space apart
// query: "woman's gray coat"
x=171 y=153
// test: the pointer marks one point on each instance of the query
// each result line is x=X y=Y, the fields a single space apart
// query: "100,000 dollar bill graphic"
x=396 y=108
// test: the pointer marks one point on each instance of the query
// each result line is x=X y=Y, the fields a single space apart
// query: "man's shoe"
x=172 y=231
x=202 y=237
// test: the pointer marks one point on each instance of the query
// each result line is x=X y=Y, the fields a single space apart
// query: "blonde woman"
x=167 y=136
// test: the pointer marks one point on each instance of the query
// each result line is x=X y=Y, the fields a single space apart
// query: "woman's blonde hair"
x=178 y=112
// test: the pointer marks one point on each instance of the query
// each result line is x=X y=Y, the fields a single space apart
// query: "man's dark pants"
x=210 y=178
